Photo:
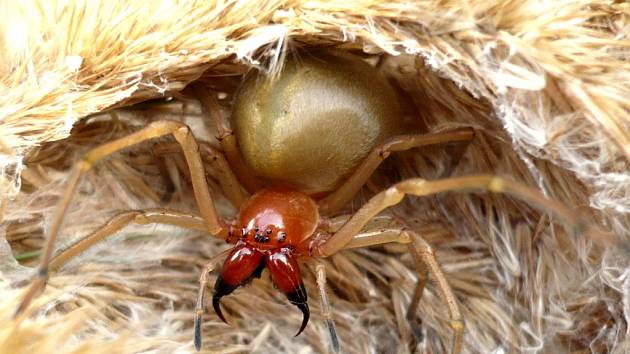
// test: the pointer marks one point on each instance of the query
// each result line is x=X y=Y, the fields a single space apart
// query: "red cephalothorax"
x=276 y=225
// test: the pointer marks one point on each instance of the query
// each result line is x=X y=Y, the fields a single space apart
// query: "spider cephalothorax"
x=275 y=226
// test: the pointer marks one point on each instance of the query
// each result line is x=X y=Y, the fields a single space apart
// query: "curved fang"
x=216 y=297
x=298 y=298
x=285 y=274
x=305 y=316
x=241 y=265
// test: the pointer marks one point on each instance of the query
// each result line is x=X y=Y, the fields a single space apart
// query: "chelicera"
x=297 y=149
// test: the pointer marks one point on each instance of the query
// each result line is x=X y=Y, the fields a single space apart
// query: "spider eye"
x=262 y=237
x=282 y=236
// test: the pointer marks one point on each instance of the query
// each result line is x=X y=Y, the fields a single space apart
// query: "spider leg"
x=337 y=199
x=111 y=227
x=118 y=222
x=214 y=224
x=420 y=187
x=215 y=158
x=422 y=270
x=203 y=284
x=425 y=261
x=326 y=312
x=226 y=138
x=348 y=235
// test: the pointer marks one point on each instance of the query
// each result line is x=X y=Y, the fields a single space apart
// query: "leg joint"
x=427 y=249
x=393 y=196
x=181 y=133
x=405 y=238
x=224 y=133
x=85 y=163
x=42 y=273
x=457 y=324
x=383 y=151
x=141 y=218
x=496 y=185
x=421 y=245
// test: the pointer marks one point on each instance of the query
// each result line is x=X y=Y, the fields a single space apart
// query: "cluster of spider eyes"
x=264 y=236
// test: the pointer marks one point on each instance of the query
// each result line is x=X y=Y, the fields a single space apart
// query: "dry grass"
x=545 y=84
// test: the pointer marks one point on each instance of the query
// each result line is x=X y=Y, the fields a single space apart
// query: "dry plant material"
x=545 y=84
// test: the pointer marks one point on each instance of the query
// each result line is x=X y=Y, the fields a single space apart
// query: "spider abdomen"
x=312 y=125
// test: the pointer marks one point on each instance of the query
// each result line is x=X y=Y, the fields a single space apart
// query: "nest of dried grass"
x=545 y=85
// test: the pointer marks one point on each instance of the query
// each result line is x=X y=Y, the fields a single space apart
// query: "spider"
x=303 y=144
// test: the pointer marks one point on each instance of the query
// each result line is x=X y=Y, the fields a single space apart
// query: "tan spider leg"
x=228 y=181
x=420 y=187
x=426 y=262
x=116 y=223
x=226 y=138
x=422 y=271
x=347 y=236
x=320 y=269
x=183 y=135
x=337 y=199
x=203 y=283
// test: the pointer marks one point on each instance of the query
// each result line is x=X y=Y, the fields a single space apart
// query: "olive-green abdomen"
x=311 y=126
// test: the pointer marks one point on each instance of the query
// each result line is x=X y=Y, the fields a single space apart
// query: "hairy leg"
x=214 y=224
x=336 y=200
